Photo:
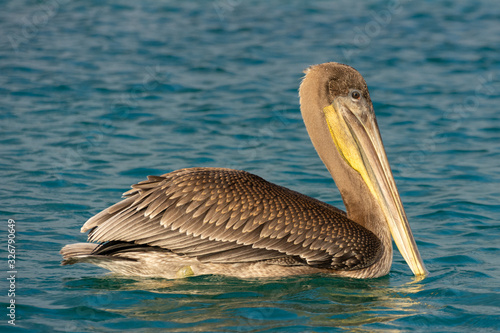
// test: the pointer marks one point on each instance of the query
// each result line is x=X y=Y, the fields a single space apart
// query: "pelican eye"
x=356 y=95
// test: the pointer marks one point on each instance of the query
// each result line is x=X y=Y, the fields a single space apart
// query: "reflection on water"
x=204 y=303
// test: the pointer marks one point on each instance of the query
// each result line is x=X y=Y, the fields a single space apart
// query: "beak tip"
x=421 y=272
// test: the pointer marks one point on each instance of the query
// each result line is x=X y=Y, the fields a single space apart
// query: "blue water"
x=95 y=96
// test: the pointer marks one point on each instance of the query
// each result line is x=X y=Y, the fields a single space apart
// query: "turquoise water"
x=96 y=96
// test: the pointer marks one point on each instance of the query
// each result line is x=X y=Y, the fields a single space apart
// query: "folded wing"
x=228 y=216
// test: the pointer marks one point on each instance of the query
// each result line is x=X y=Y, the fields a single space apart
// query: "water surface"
x=96 y=96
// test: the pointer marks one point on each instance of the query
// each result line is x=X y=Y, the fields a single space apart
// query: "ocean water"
x=95 y=96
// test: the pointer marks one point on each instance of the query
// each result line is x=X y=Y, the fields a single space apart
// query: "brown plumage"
x=222 y=221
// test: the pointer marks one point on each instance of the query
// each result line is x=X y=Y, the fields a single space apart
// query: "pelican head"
x=340 y=119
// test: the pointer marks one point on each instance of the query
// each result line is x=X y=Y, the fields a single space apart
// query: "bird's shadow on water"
x=210 y=302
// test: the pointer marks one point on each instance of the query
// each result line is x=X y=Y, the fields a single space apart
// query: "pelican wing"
x=227 y=216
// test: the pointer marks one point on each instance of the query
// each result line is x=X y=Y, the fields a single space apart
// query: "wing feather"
x=224 y=215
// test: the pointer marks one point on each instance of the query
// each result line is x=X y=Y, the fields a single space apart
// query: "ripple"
x=95 y=98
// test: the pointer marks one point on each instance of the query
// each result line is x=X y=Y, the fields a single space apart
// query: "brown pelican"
x=221 y=221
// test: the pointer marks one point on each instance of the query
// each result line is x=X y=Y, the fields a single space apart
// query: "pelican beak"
x=355 y=132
